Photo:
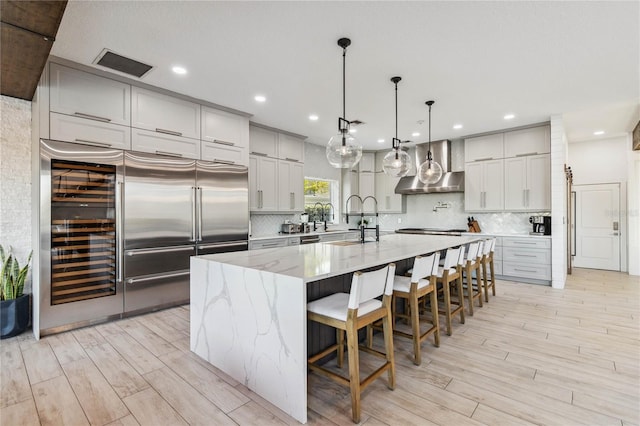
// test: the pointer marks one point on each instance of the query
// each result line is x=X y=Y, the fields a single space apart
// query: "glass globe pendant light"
x=429 y=171
x=396 y=163
x=343 y=151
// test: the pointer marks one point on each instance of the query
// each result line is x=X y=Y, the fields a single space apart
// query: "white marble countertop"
x=313 y=262
x=504 y=234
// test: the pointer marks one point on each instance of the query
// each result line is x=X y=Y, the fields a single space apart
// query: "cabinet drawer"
x=537 y=257
x=227 y=154
x=86 y=95
x=497 y=253
x=225 y=128
x=262 y=244
x=537 y=272
x=263 y=142
x=158 y=143
x=293 y=241
x=90 y=132
x=290 y=148
x=531 y=141
x=161 y=113
x=489 y=147
x=538 y=243
x=497 y=264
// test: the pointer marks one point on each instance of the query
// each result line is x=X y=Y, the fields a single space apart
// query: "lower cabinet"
x=527 y=258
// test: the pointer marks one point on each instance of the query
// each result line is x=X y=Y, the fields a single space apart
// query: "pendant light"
x=429 y=171
x=396 y=163
x=343 y=151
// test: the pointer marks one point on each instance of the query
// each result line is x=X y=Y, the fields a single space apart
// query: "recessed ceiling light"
x=457 y=126
x=414 y=134
x=598 y=132
x=509 y=116
x=179 y=70
x=313 y=117
x=380 y=140
x=260 y=98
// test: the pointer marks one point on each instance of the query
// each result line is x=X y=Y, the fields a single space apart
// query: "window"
x=325 y=192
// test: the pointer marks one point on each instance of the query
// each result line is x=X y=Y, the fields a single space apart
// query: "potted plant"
x=14 y=306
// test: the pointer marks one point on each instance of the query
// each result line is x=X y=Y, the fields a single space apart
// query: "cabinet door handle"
x=527 y=198
x=526 y=154
x=170 y=154
x=292 y=200
x=522 y=255
x=483 y=159
x=260 y=204
x=524 y=197
x=92 y=117
x=387 y=202
x=525 y=243
x=261 y=154
x=168 y=132
x=216 y=160
x=292 y=159
x=194 y=207
x=223 y=142
x=525 y=270
x=95 y=143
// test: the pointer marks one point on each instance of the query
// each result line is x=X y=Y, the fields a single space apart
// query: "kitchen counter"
x=301 y=234
x=248 y=309
x=501 y=234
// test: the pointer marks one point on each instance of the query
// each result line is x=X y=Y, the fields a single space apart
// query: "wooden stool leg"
x=354 y=368
x=415 y=325
x=486 y=282
x=493 y=278
x=461 y=296
x=434 y=315
x=470 y=287
x=340 y=340
x=447 y=302
x=387 y=330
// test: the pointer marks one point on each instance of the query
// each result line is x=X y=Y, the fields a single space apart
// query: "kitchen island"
x=248 y=309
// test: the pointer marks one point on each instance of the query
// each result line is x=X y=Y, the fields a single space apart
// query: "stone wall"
x=15 y=177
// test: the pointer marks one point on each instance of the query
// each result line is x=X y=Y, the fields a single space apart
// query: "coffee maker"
x=541 y=225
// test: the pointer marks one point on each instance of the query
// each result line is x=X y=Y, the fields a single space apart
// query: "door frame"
x=622 y=211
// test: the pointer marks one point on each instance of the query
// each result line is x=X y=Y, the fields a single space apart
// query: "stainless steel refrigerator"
x=174 y=209
x=117 y=229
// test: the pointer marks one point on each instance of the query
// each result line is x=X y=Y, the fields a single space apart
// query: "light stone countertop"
x=501 y=234
x=300 y=234
x=313 y=262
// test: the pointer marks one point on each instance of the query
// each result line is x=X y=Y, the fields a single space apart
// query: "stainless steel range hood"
x=450 y=181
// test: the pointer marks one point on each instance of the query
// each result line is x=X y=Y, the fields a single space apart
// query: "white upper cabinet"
x=532 y=141
x=290 y=148
x=263 y=142
x=483 y=186
x=367 y=187
x=164 y=114
x=388 y=200
x=263 y=184
x=224 y=128
x=290 y=186
x=89 y=96
x=367 y=162
x=164 y=144
x=90 y=132
x=489 y=147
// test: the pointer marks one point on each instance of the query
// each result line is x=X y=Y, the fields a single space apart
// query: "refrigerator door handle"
x=193 y=214
x=199 y=193
x=119 y=230
x=135 y=252
x=157 y=276
x=223 y=245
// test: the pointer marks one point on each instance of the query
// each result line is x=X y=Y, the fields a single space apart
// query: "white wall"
x=634 y=210
x=607 y=161
x=559 y=154
x=15 y=177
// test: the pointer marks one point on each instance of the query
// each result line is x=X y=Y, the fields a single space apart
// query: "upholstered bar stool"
x=472 y=265
x=412 y=289
x=451 y=272
x=488 y=273
x=349 y=313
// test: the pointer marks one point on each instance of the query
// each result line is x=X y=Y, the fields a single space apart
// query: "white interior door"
x=598 y=226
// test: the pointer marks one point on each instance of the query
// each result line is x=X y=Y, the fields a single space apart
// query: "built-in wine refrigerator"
x=80 y=247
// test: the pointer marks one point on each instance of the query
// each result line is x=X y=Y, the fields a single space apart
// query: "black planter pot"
x=14 y=316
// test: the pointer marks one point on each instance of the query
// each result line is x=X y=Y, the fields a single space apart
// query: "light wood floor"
x=532 y=355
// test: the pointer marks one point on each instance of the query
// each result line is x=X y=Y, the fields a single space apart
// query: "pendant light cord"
x=344 y=96
x=429 y=157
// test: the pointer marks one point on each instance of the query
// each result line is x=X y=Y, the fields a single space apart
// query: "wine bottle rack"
x=83 y=231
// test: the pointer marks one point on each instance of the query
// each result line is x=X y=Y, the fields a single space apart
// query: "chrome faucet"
x=347 y=206
x=331 y=213
x=377 y=227
x=315 y=217
x=441 y=205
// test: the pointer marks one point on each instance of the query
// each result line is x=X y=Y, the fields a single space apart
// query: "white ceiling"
x=477 y=60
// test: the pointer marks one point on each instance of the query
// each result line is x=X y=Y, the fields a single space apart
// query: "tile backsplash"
x=269 y=224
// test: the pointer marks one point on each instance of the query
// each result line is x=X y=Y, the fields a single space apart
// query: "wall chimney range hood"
x=450 y=181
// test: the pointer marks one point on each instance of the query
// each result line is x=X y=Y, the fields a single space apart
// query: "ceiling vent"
x=119 y=63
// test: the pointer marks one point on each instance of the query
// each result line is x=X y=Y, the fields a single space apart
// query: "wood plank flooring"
x=532 y=355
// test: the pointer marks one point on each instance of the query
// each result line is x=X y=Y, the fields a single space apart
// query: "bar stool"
x=487 y=263
x=421 y=283
x=351 y=312
x=451 y=271
x=472 y=265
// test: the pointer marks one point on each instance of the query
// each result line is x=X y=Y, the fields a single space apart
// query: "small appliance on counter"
x=290 y=228
x=541 y=225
